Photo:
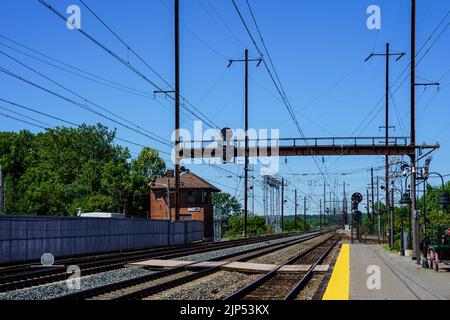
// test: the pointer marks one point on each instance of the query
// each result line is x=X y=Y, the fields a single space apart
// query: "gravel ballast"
x=58 y=289
x=223 y=252
x=213 y=287
x=313 y=285
x=280 y=256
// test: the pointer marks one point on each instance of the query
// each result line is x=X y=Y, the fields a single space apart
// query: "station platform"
x=369 y=272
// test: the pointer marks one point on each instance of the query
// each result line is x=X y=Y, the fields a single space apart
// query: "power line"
x=109 y=83
x=151 y=135
x=78 y=104
x=201 y=116
x=278 y=85
x=24 y=121
x=67 y=122
x=24 y=116
x=403 y=72
x=124 y=43
x=224 y=23
x=195 y=35
x=102 y=81
x=436 y=29
x=146 y=64
x=38 y=112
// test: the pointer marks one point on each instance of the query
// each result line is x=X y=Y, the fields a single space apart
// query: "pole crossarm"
x=334 y=146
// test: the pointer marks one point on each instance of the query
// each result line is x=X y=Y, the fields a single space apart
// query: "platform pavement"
x=400 y=277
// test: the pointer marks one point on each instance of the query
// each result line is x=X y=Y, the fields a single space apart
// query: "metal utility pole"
x=177 y=109
x=320 y=214
x=333 y=217
x=415 y=216
x=344 y=209
x=282 y=205
x=295 y=209
x=246 y=148
x=246 y=61
x=169 y=232
x=304 y=212
x=253 y=190
x=329 y=211
x=387 y=55
x=373 y=201
x=378 y=210
x=1 y=191
x=324 y=199
x=368 y=203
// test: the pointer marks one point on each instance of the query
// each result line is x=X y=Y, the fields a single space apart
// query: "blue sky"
x=318 y=48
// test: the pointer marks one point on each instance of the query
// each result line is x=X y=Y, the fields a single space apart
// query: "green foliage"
x=290 y=226
x=63 y=169
x=437 y=218
x=256 y=226
x=226 y=204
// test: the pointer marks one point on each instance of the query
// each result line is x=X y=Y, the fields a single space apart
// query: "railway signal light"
x=357 y=216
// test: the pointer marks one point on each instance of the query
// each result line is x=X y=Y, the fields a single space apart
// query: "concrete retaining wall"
x=27 y=238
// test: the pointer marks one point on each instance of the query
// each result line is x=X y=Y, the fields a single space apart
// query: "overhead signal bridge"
x=285 y=147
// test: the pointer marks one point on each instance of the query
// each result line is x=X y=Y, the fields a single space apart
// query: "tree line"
x=63 y=170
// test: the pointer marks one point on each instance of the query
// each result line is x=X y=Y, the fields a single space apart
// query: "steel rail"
x=29 y=278
x=256 y=252
x=266 y=277
x=86 y=294
x=305 y=279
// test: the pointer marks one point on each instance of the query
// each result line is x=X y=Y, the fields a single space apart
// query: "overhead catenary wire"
x=378 y=106
x=78 y=104
x=436 y=29
x=149 y=134
x=20 y=120
x=27 y=117
x=88 y=75
x=69 y=122
x=130 y=49
x=198 y=114
x=220 y=55
x=277 y=83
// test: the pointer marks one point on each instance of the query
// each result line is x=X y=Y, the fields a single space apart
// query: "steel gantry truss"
x=324 y=146
x=271 y=200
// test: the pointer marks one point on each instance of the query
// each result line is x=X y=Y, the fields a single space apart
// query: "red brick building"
x=195 y=199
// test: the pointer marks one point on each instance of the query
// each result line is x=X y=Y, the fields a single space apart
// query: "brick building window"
x=195 y=197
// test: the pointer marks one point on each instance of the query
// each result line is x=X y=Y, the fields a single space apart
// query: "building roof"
x=188 y=180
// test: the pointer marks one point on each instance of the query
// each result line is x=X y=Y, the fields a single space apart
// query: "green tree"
x=289 y=224
x=256 y=226
x=226 y=204
x=60 y=170
x=148 y=165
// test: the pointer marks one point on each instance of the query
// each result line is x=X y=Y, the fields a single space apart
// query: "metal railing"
x=301 y=142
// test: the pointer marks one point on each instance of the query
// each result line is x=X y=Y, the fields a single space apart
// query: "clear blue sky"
x=318 y=48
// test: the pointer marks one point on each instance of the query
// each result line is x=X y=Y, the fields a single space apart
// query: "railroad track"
x=145 y=286
x=286 y=286
x=18 y=269
x=32 y=275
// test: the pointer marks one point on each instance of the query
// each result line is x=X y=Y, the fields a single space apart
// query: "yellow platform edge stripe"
x=339 y=285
